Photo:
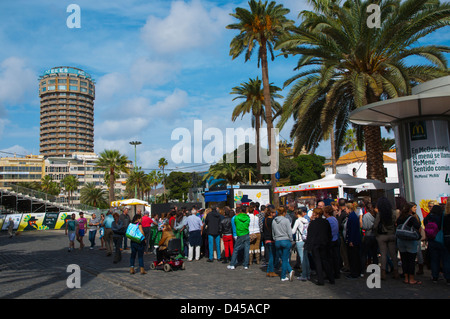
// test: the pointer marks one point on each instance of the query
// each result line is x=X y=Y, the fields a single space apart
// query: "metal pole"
x=135 y=143
x=135 y=171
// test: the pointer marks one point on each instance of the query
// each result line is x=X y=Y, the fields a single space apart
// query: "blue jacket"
x=353 y=234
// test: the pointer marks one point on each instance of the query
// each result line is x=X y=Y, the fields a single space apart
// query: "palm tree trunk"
x=111 y=186
x=164 y=186
x=270 y=132
x=333 y=152
x=374 y=152
x=374 y=148
x=258 y=142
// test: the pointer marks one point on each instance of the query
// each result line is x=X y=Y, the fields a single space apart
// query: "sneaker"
x=302 y=278
x=285 y=279
x=291 y=275
x=230 y=267
x=245 y=267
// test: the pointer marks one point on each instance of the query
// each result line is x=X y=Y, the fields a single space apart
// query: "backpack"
x=431 y=230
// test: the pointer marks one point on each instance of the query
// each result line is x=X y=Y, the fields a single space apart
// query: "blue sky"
x=158 y=65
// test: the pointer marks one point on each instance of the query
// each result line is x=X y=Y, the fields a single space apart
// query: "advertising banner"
x=245 y=196
x=430 y=162
x=4 y=220
x=32 y=221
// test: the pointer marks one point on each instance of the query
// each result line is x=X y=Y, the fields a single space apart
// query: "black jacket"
x=319 y=234
x=225 y=227
x=212 y=222
x=267 y=229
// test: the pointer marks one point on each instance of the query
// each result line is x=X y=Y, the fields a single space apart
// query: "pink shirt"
x=82 y=222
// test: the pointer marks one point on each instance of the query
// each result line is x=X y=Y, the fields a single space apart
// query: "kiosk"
x=421 y=127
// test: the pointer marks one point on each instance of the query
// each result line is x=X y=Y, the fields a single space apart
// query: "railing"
x=54 y=199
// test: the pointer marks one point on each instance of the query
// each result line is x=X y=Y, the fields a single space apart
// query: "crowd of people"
x=322 y=242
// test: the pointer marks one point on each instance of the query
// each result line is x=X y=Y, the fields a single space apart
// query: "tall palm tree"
x=346 y=64
x=351 y=142
x=232 y=173
x=70 y=184
x=260 y=27
x=49 y=186
x=138 y=179
x=156 y=178
x=161 y=164
x=253 y=96
x=112 y=163
x=93 y=196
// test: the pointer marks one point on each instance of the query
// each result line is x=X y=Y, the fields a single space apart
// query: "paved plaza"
x=33 y=265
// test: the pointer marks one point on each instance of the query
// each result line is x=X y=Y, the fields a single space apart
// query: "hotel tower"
x=67 y=112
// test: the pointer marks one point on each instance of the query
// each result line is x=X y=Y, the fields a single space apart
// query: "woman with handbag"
x=408 y=248
x=137 y=248
x=384 y=226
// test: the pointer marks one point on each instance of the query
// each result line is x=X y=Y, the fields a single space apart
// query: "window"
x=62 y=87
x=62 y=81
x=73 y=88
x=51 y=87
x=73 y=81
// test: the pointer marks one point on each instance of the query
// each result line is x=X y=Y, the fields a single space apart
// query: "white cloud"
x=17 y=81
x=188 y=26
x=145 y=71
x=121 y=127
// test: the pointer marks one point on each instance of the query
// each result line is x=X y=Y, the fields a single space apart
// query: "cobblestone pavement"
x=33 y=265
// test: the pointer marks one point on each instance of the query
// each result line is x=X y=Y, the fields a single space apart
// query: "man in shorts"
x=82 y=226
x=71 y=230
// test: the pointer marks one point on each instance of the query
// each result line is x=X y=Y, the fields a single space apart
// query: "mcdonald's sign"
x=418 y=130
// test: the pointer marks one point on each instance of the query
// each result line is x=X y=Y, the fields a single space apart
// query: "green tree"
x=112 y=162
x=94 y=196
x=261 y=27
x=351 y=142
x=387 y=144
x=156 y=178
x=345 y=64
x=178 y=184
x=139 y=180
x=49 y=186
x=232 y=173
x=162 y=163
x=70 y=184
x=309 y=168
x=253 y=96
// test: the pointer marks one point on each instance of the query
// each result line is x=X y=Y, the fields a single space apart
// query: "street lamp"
x=135 y=143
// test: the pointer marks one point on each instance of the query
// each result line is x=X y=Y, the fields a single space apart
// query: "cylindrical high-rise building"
x=67 y=111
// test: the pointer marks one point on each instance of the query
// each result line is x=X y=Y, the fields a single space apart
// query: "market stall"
x=337 y=186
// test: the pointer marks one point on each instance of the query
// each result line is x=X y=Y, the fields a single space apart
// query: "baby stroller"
x=170 y=262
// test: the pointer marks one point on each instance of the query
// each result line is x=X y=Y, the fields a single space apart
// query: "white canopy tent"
x=133 y=202
x=339 y=181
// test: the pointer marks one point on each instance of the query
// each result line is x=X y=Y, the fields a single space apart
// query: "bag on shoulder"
x=406 y=232
x=134 y=233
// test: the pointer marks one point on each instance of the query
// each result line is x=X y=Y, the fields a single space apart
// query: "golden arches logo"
x=418 y=129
